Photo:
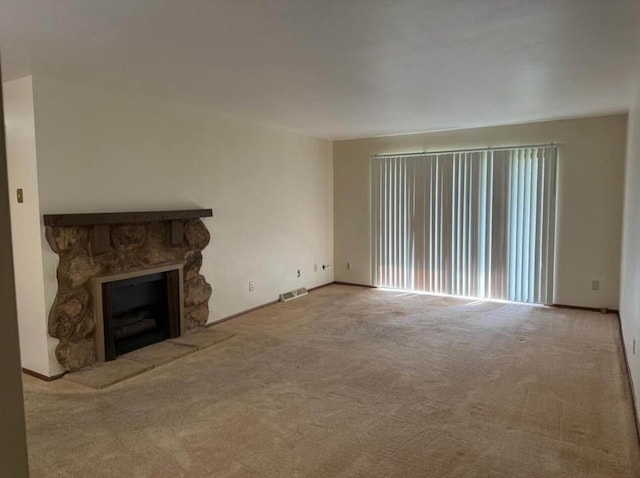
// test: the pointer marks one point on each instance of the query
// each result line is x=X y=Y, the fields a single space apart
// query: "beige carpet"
x=350 y=381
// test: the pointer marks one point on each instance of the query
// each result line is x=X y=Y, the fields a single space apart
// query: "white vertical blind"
x=472 y=223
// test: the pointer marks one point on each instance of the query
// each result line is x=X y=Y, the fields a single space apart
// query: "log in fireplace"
x=137 y=309
x=140 y=311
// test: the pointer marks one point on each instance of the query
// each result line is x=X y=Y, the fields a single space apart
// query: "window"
x=472 y=223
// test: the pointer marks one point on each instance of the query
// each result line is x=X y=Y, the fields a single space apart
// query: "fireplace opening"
x=140 y=311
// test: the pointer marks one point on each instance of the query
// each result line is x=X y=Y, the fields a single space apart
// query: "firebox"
x=137 y=309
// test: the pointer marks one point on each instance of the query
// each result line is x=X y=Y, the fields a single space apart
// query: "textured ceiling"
x=339 y=68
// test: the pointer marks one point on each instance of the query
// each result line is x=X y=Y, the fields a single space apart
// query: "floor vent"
x=294 y=294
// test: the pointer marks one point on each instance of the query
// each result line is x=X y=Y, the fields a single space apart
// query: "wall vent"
x=294 y=294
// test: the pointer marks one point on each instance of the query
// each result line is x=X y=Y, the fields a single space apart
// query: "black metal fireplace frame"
x=171 y=282
x=102 y=303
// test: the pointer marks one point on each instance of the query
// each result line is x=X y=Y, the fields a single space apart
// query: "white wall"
x=590 y=183
x=270 y=190
x=25 y=219
x=630 y=279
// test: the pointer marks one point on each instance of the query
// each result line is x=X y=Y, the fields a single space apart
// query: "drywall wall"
x=13 y=442
x=270 y=190
x=630 y=277
x=25 y=219
x=589 y=214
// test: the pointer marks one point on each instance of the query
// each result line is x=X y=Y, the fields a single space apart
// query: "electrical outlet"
x=299 y=274
x=595 y=285
x=252 y=286
x=20 y=195
x=348 y=265
x=315 y=268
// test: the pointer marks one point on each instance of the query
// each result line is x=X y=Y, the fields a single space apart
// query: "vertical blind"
x=471 y=223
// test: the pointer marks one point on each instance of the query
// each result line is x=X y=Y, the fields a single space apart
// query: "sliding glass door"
x=472 y=223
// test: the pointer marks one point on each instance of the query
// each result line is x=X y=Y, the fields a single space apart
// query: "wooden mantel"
x=100 y=222
x=104 y=218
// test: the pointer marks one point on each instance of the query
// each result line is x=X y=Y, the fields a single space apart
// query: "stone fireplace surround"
x=93 y=246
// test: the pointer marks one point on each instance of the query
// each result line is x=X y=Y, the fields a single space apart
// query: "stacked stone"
x=133 y=247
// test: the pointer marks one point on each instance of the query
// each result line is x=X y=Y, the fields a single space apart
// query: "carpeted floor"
x=351 y=381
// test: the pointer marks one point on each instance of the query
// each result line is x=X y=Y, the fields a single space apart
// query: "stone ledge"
x=201 y=339
x=105 y=374
x=159 y=354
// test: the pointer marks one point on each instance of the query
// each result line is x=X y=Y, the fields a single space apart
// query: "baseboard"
x=42 y=377
x=355 y=284
x=633 y=390
x=258 y=307
x=233 y=316
x=592 y=309
x=321 y=286
x=563 y=306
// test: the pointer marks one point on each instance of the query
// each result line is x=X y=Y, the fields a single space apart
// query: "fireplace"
x=137 y=309
x=125 y=280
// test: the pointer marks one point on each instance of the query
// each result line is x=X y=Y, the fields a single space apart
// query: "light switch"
x=20 y=197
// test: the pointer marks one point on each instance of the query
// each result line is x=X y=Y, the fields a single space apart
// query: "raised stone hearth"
x=123 y=248
x=105 y=374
